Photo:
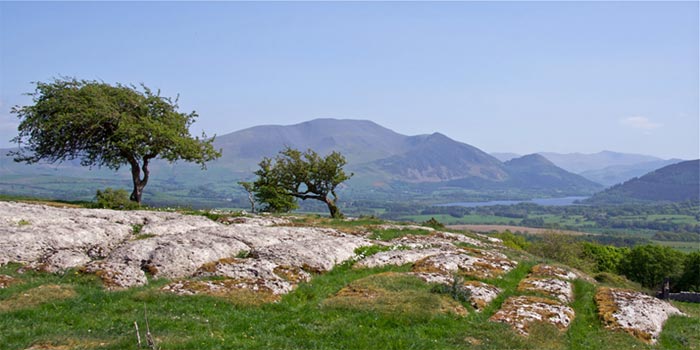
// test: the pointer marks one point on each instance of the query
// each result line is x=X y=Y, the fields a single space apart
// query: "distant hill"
x=580 y=162
x=381 y=159
x=436 y=157
x=535 y=171
x=617 y=174
x=606 y=167
x=674 y=183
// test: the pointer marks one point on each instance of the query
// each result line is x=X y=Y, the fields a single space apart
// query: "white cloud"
x=643 y=123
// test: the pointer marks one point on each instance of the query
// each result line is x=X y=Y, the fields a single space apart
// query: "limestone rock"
x=170 y=256
x=521 y=311
x=560 y=289
x=481 y=294
x=480 y=267
x=316 y=255
x=396 y=257
x=542 y=270
x=634 y=312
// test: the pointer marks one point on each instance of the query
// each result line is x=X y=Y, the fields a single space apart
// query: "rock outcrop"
x=521 y=311
x=634 y=312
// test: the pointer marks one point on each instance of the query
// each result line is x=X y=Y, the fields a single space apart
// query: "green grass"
x=98 y=319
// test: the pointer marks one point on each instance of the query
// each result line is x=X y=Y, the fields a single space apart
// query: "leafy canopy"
x=105 y=125
x=293 y=174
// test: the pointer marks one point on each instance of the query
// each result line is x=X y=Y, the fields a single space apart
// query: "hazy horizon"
x=520 y=77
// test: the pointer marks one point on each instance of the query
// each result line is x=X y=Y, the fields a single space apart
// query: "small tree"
x=105 y=125
x=307 y=175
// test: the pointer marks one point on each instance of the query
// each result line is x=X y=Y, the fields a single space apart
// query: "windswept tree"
x=293 y=174
x=106 y=125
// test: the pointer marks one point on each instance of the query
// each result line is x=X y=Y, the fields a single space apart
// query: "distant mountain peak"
x=530 y=159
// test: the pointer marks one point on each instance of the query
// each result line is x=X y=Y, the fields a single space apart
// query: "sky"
x=518 y=77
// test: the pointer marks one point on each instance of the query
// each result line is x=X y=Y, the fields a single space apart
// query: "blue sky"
x=502 y=76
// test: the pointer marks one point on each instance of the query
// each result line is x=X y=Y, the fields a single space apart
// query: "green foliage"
x=607 y=258
x=270 y=192
x=455 y=289
x=243 y=254
x=136 y=229
x=114 y=199
x=432 y=222
x=105 y=125
x=690 y=278
x=365 y=251
x=293 y=174
x=23 y=222
x=513 y=241
x=650 y=264
x=563 y=248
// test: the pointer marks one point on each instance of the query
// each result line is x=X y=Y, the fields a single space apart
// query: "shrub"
x=650 y=264
x=513 y=241
x=434 y=224
x=114 y=199
x=690 y=279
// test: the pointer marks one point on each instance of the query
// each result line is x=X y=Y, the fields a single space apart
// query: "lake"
x=540 y=201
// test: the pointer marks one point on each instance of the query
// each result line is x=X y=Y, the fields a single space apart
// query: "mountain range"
x=384 y=162
x=380 y=157
x=606 y=167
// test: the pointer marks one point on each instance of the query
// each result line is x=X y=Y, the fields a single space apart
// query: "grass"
x=308 y=318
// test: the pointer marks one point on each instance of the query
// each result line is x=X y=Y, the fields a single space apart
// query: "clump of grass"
x=394 y=293
x=23 y=222
x=243 y=254
x=455 y=290
x=365 y=251
x=136 y=229
x=37 y=296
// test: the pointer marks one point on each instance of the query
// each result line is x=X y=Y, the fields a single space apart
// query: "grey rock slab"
x=396 y=257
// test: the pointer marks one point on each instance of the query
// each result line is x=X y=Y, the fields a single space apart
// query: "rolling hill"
x=674 y=183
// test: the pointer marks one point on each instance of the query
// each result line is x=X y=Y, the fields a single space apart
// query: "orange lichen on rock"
x=241 y=291
x=553 y=271
x=462 y=263
x=634 y=312
x=521 y=311
x=560 y=289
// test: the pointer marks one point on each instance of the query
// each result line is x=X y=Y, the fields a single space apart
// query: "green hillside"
x=674 y=183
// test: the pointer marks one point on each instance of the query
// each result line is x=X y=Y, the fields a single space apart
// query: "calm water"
x=540 y=201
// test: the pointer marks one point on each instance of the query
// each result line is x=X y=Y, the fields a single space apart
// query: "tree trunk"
x=335 y=212
x=139 y=182
x=252 y=202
